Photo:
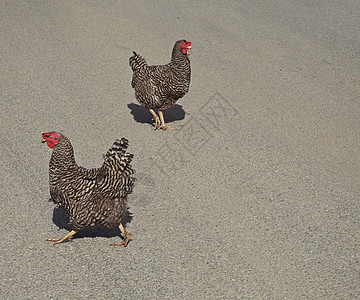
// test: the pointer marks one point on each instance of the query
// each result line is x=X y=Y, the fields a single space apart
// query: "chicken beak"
x=43 y=140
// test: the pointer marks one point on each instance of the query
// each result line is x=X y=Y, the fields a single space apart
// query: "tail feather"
x=137 y=62
x=118 y=159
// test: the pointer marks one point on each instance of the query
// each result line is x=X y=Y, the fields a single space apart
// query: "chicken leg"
x=126 y=236
x=162 y=126
x=155 y=118
x=64 y=239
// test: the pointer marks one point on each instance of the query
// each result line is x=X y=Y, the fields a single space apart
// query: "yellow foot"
x=58 y=241
x=163 y=127
x=157 y=124
x=125 y=241
x=64 y=239
x=155 y=118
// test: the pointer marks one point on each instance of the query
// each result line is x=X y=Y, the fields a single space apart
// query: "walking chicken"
x=91 y=197
x=161 y=86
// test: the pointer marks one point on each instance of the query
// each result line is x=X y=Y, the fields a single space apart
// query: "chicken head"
x=51 y=138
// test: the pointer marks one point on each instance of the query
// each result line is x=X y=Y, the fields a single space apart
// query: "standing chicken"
x=161 y=86
x=91 y=197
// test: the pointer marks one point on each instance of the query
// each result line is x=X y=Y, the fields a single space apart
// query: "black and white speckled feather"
x=91 y=196
x=161 y=86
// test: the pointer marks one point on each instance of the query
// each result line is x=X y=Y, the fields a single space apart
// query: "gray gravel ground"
x=255 y=197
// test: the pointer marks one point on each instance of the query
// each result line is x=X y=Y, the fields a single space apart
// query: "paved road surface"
x=255 y=197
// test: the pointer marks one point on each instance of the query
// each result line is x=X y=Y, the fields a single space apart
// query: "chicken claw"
x=64 y=239
x=155 y=118
x=126 y=236
x=125 y=241
x=163 y=126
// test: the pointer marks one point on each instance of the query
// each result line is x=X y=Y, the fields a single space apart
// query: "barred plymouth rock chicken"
x=91 y=197
x=161 y=86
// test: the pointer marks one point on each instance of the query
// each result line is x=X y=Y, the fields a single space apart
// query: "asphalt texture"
x=256 y=196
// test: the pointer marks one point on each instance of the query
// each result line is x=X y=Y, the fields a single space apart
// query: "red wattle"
x=51 y=145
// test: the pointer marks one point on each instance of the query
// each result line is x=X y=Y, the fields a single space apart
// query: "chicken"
x=161 y=86
x=91 y=197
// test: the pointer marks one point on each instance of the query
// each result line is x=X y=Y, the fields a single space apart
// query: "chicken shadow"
x=61 y=220
x=142 y=115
